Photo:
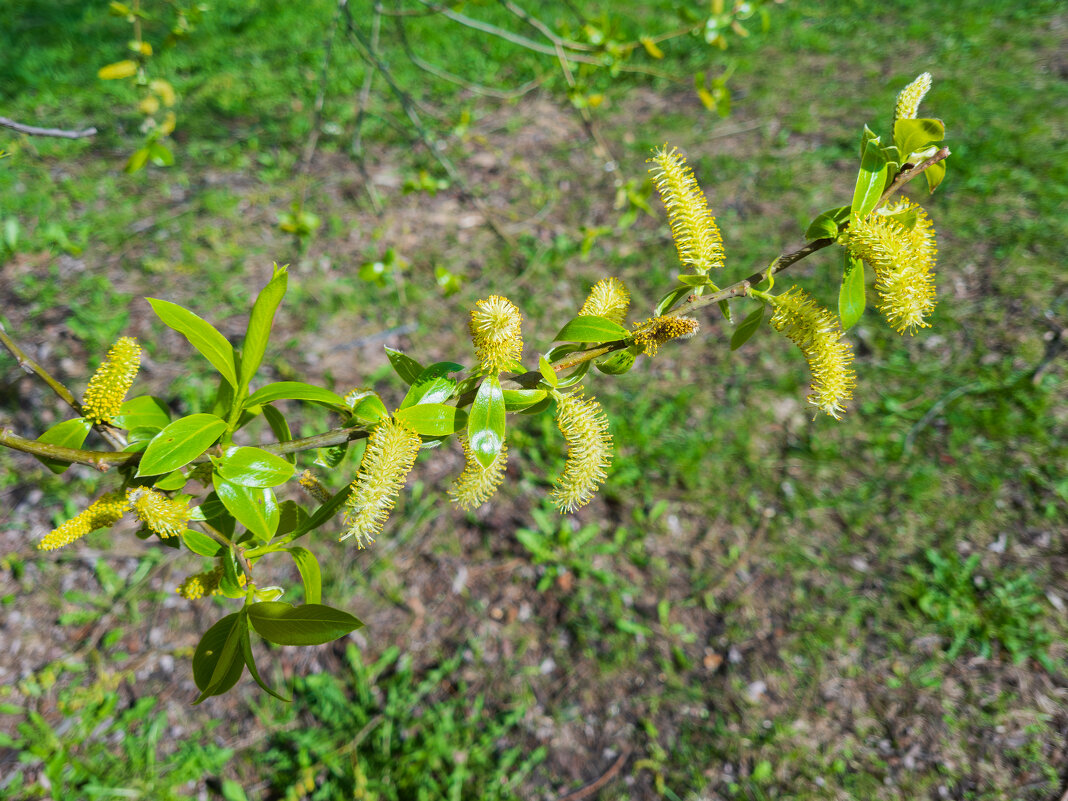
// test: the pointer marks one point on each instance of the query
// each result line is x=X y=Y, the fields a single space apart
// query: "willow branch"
x=101 y=460
x=55 y=133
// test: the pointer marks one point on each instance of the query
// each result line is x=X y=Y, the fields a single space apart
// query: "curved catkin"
x=496 y=328
x=105 y=511
x=112 y=380
x=589 y=451
x=311 y=485
x=609 y=298
x=162 y=515
x=654 y=332
x=692 y=225
x=819 y=336
x=195 y=587
x=903 y=260
x=476 y=483
x=908 y=100
x=390 y=455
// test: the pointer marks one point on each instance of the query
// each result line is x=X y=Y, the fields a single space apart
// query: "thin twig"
x=595 y=786
x=56 y=133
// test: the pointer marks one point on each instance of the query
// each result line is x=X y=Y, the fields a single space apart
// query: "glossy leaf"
x=485 y=422
x=331 y=457
x=279 y=427
x=201 y=334
x=405 y=366
x=587 y=328
x=200 y=543
x=250 y=662
x=259 y=324
x=913 y=135
x=310 y=575
x=575 y=376
x=433 y=385
x=291 y=516
x=851 y=293
x=171 y=482
x=619 y=362
x=256 y=508
x=548 y=372
x=827 y=223
x=68 y=434
x=870 y=180
x=180 y=443
x=668 y=302
x=433 y=419
x=254 y=467
x=311 y=624
x=516 y=400
x=369 y=409
x=144 y=411
x=293 y=390
x=935 y=174
x=747 y=327
x=687 y=279
x=218 y=661
x=216 y=514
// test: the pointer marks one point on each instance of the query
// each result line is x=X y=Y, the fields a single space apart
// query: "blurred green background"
x=758 y=605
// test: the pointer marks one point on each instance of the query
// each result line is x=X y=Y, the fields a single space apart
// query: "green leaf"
x=331 y=457
x=291 y=516
x=747 y=327
x=259 y=324
x=913 y=135
x=144 y=411
x=323 y=513
x=516 y=400
x=279 y=427
x=870 y=181
x=573 y=378
x=686 y=279
x=256 y=508
x=666 y=303
x=250 y=661
x=934 y=174
x=851 y=294
x=906 y=218
x=432 y=385
x=254 y=467
x=217 y=662
x=547 y=371
x=619 y=362
x=68 y=434
x=587 y=328
x=310 y=575
x=161 y=155
x=200 y=543
x=485 y=421
x=180 y=443
x=201 y=334
x=405 y=366
x=170 y=482
x=827 y=223
x=369 y=409
x=293 y=390
x=311 y=624
x=216 y=515
x=433 y=419
x=138 y=159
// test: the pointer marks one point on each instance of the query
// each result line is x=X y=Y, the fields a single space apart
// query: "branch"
x=101 y=460
x=57 y=133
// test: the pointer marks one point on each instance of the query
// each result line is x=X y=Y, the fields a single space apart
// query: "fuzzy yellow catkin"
x=908 y=100
x=476 y=483
x=112 y=380
x=589 y=451
x=105 y=511
x=609 y=298
x=162 y=515
x=693 y=227
x=817 y=333
x=654 y=332
x=496 y=328
x=903 y=260
x=310 y=484
x=195 y=587
x=390 y=455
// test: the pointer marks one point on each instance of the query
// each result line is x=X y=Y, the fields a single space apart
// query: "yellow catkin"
x=477 y=484
x=903 y=260
x=310 y=484
x=693 y=227
x=162 y=515
x=609 y=298
x=908 y=100
x=105 y=511
x=654 y=332
x=816 y=331
x=390 y=455
x=108 y=387
x=589 y=451
x=198 y=585
x=496 y=328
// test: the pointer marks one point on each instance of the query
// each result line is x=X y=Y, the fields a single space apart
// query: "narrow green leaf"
x=587 y=328
x=827 y=223
x=935 y=174
x=254 y=467
x=256 y=508
x=547 y=371
x=217 y=662
x=311 y=624
x=851 y=294
x=68 y=434
x=667 y=303
x=259 y=324
x=171 y=482
x=432 y=385
x=687 y=279
x=310 y=575
x=138 y=159
x=201 y=334
x=870 y=181
x=144 y=411
x=486 y=421
x=180 y=443
x=516 y=400
x=433 y=419
x=293 y=390
x=250 y=662
x=619 y=362
x=747 y=327
x=369 y=409
x=200 y=543
x=279 y=427
x=405 y=366
x=291 y=516
x=913 y=135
